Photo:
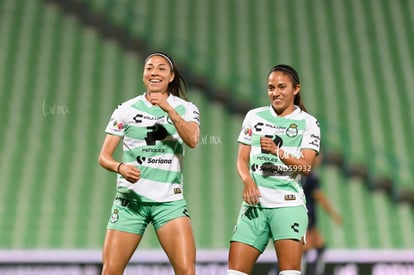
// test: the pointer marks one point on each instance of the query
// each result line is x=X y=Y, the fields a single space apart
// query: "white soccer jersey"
x=278 y=183
x=151 y=143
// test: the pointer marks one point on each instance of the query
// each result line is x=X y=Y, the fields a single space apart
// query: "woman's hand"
x=189 y=131
x=159 y=99
x=268 y=145
x=251 y=193
x=129 y=172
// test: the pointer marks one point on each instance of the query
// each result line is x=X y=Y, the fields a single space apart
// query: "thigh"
x=117 y=251
x=171 y=221
x=288 y=226
x=177 y=240
x=289 y=254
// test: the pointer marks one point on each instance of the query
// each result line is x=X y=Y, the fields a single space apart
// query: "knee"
x=112 y=269
x=185 y=269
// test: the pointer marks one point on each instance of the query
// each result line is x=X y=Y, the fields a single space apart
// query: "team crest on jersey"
x=292 y=131
x=115 y=216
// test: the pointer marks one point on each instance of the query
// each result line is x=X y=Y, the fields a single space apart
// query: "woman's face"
x=157 y=74
x=281 y=92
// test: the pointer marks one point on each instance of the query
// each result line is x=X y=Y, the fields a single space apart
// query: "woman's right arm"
x=106 y=160
x=251 y=192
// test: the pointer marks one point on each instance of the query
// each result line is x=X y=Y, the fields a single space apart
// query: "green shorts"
x=133 y=216
x=256 y=225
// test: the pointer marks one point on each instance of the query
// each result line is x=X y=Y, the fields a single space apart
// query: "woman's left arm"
x=302 y=164
x=189 y=131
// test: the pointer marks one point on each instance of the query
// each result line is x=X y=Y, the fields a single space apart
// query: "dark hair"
x=295 y=81
x=178 y=86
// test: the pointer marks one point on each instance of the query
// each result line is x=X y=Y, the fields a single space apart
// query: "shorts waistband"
x=126 y=200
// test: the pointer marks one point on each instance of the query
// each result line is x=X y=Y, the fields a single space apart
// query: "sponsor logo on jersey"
x=142 y=160
x=258 y=126
x=153 y=150
x=268 y=169
x=315 y=140
x=196 y=116
x=159 y=161
x=268 y=159
x=290 y=197
x=138 y=118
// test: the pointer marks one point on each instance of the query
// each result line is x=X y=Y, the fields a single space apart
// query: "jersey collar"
x=295 y=111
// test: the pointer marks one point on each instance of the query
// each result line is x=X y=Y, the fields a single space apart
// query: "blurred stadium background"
x=65 y=65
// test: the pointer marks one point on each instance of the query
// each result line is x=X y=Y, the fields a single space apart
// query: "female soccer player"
x=277 y=144
x=153 y=128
